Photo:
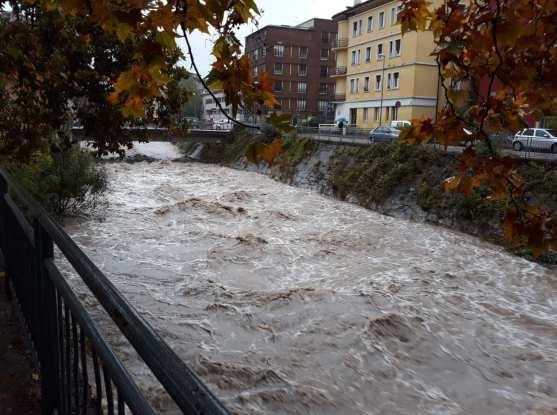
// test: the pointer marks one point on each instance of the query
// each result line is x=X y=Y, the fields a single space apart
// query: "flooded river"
x=287 y=302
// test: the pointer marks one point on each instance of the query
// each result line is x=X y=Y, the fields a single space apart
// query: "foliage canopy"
x=497 y=62
x=108 y=64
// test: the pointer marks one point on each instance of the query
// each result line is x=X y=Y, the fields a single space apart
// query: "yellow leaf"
x=271 y=151
x=451 y=183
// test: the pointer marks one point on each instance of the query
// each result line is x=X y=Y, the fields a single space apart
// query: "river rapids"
x=288 y=302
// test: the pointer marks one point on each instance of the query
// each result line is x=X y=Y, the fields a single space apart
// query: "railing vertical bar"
x=67 y=318
x=98 y=385
x=62 y=363
x=121 y=405
x=109 y=396
x=84 y=374
x=75 y=364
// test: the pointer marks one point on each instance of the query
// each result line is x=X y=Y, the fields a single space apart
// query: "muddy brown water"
x=287 y=302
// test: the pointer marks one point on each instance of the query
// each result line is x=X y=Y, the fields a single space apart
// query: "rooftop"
x=307 y=26
x=359 y=8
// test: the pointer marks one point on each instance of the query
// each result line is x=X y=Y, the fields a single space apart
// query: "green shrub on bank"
x=66 y=183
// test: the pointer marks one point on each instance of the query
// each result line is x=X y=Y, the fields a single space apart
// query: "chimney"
x=356 y=2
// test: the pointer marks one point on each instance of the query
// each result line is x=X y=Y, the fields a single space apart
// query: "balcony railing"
x=339 y=71
x=340 y=97
x=341 y=43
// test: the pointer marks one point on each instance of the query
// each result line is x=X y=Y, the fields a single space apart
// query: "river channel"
x=288 y=302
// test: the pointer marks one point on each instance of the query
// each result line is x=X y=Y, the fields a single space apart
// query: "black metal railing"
x=79 y=372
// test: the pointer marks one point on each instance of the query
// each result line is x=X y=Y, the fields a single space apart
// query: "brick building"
x=299 y=61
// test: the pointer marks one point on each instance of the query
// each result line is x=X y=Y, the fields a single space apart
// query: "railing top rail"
x=181 y=383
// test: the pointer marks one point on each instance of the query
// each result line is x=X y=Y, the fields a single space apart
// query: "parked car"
x=384 y=134
x=536 y=139
x=400 y=124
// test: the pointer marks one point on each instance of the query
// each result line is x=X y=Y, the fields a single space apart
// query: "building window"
x=324 y=54
x=323 y=106
x=354 y=29
x=379 y=51
x=381 y=20
x=368 y=54
x=356 y=57
x=279 y=50
x=323 y=88
x=263 y=51
x=354 y=83
x=365 y=114
x=302 y=87
x=366 y=84
x=394 y=47
x=387 y=113
x=302 y=69
x=370 y=24
x=376 y=112
x=394 y=14
x=256 y=54
x=378 y=82
x=353 y=116
x=393 y=80
x=303 y=53
x=301 y=105
x=324 y=71
x=359 y=27
x=278 y=69
x=394 y=113
x=277 y=86
x=325 y=36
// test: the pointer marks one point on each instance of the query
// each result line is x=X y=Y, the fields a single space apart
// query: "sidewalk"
x=19 y=388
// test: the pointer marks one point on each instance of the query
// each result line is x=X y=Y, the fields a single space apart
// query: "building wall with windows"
x=400 y=75
x=212 y=114
x=299 y=61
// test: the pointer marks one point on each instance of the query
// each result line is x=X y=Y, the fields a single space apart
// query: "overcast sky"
x=274 y=12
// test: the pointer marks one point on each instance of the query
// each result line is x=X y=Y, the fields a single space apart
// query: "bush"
x=66 y=183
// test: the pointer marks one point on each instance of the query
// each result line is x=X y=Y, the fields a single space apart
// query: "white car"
x=400 y=124
x=536 y=139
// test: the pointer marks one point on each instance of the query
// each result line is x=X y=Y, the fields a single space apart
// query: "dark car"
x=383 y=134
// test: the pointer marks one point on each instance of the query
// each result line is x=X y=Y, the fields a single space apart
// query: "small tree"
x=66 y=183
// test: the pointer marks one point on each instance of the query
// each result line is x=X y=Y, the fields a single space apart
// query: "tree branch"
x=219 y=105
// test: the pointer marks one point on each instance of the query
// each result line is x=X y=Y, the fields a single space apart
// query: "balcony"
x=341 y=43
x=338 y=71
x=340 y=97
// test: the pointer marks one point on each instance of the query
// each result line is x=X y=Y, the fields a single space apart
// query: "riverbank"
x=395 y=180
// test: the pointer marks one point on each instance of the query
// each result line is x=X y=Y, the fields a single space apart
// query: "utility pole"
x=382 y=89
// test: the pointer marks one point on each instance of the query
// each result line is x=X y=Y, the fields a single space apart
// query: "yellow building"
x=381 y=75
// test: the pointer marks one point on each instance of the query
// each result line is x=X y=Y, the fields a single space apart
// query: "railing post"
x=3 y=193
x=48 y=323
x=3 y=232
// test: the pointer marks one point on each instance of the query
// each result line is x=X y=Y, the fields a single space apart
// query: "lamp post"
x=256 y=84
x=382 y=89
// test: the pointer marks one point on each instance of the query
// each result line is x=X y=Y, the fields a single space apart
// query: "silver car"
x=544 y=139
x=384 y=134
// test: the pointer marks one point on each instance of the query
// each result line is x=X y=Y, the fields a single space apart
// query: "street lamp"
x=382 y=89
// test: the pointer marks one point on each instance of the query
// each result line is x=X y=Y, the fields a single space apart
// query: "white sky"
x=274 y=12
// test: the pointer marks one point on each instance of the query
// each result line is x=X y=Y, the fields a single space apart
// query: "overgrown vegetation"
x=295 y=150
x=372 y=173
x=65 y=183
x=375 y=174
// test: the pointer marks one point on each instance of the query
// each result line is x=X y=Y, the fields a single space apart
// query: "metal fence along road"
x=355 y=136
x=79 y=372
